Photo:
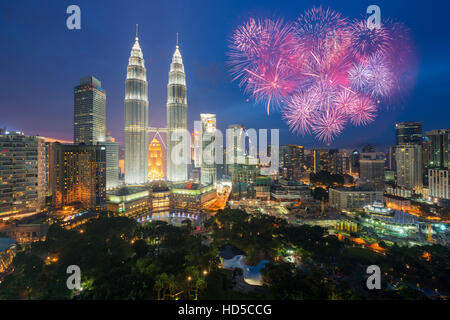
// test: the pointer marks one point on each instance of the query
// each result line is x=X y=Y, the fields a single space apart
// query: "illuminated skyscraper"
x=89 y=112
x=176 y=117
x=155 y=161
x=208 y=164
x=112 y=162
x=136 y=118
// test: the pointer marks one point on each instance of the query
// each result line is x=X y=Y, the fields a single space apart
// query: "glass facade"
x=89 y=122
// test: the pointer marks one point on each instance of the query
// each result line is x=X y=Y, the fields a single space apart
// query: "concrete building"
x=439 y=182
x=371 y=170
x=23 y=173
x=352 y=198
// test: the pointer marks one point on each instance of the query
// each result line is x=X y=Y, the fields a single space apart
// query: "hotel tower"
x=136 y=118
x=176 y=117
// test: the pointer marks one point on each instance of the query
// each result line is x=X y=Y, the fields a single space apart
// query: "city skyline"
x=208 y=78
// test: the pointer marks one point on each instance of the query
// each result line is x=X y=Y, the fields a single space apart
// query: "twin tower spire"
x=136 y=116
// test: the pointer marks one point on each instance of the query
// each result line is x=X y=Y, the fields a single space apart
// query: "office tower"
x=439 y=145
x=22 y=173
x=208 y=166
x=78 y=175
x=89 y=112
x=243 y=176
x=371 y=170
x=177 y=169
x=409 y=167
x=408 y=132
x=112 y=162
x=155 y=161
x=291 y=161
x=136 y=118
x=439 y=165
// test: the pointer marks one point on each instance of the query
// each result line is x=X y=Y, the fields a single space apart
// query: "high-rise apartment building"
x=23 y=173
x=89 y=112
x=409 y=167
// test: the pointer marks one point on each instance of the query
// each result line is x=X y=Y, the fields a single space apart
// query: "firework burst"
x=365 y=41
x=363 y=111
x=328 y=125
x=300 y=112
x=323 y=70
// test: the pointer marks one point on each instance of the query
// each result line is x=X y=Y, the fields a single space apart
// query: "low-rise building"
x=191 y=195
x=352 y=198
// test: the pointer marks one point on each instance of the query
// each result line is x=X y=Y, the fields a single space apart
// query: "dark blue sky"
x=41 y=61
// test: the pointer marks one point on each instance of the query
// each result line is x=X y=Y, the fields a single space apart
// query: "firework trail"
x=322 y=69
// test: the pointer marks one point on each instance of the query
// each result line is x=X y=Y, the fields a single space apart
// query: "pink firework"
x=323 y=70
x=328 y=125
x=346 y=100
x=300 y=112
x=261 y=55
x=364 y=111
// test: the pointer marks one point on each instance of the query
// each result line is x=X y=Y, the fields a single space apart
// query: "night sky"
x=41 y=61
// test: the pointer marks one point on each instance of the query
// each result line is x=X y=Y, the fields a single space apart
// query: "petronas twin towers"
x=136 y=116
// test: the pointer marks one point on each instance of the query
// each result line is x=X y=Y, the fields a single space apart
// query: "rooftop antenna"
x=136 y=31
x=177 y=39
